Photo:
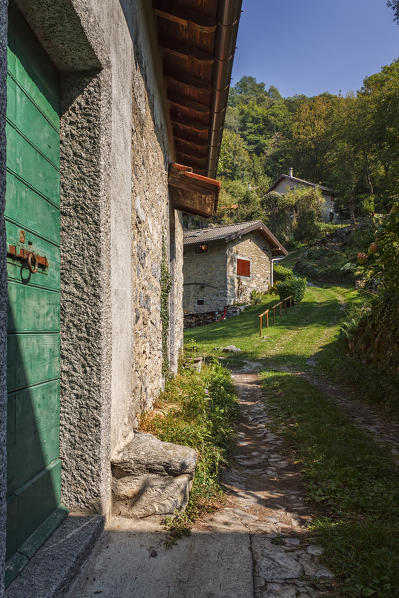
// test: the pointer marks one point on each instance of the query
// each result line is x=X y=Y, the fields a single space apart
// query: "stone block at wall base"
x=151 y=477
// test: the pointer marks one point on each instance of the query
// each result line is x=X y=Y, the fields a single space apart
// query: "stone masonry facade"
x=211 y=278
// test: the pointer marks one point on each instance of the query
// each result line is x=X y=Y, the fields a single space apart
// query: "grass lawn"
x=307 y=328
x=352 y=483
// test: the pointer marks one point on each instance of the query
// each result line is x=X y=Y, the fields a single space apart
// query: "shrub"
x=256 y=297
x=295 y=286
x=281 y=273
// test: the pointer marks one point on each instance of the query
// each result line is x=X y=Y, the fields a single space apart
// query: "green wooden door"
x=33 y=227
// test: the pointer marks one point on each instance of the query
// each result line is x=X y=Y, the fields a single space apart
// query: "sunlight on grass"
x=352 y=483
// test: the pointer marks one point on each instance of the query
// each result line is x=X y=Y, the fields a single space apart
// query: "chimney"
x=291 y=172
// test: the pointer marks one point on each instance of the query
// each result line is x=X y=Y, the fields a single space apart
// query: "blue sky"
x=311 y=46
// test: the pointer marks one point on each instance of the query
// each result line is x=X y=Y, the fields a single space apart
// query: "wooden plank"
x=25 y=206
x=18 y=271
x=30 y=166
x=185 y=17
x=30 y=66
x=32 y=309
x=34 y=443
x=32 y=359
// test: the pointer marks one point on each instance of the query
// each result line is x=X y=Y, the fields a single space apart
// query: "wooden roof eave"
x=193 y=193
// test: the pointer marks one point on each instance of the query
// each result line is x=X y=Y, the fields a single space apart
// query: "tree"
x=394 y=4
x=234 y=161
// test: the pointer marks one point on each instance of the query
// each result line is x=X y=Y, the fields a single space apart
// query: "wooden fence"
x=284 y=304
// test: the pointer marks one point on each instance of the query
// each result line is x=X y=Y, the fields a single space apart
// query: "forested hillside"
x=350 y=144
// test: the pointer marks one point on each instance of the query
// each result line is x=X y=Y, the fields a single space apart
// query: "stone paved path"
x=255 y=546
x=266 y=494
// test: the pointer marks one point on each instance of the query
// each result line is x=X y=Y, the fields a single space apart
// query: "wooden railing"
x=284 y=304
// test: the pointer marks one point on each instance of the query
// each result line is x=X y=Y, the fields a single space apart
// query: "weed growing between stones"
x=166 y=285
x=198 y=410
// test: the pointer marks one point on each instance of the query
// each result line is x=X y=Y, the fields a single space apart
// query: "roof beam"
x=187 y=103
x=181 y=78
x=192 y=160
x=185 y=17
x=188 y=123
x=189 y=53
x=191 y=138
x=190 y=150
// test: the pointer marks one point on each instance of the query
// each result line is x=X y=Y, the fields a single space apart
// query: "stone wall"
x=257 y=250
x=205 y=279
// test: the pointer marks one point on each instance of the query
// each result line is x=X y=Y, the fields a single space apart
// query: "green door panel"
x=32 y=309
x=30 y=166
x=30 y=66
x=34 y=443
x=32 y=359
x=31 y=208
x=37 y=499
x=23 y=115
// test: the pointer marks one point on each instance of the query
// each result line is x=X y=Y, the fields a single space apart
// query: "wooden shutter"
x=243 y=267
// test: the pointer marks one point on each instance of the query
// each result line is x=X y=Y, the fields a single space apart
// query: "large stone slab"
x=151 y=477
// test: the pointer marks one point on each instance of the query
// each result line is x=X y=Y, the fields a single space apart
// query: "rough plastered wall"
x=256 y=249
x=3 y=287
x=205 y=279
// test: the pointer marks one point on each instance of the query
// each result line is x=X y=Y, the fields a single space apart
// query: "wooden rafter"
x=187 y=103
x=186 y=79
x=187 y=18
x=188 y=123
x=192 y=54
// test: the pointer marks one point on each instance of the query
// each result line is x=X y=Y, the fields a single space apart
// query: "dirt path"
x=254 y=547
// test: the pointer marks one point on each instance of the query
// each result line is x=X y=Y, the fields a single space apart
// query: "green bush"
x=281 y=273
x=256 y=297
x=294 y=287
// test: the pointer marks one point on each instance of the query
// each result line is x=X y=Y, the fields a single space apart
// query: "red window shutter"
x=243 y=267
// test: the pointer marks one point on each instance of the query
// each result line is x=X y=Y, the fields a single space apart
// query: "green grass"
x=197 y=410
x=306 y=329
x=352 y=483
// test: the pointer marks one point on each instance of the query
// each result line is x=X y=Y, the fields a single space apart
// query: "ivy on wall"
x=166 y=285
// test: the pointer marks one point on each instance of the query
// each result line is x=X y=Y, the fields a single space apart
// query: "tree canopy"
x=350 y=144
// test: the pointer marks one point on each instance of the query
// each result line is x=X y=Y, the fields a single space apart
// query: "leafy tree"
x=234 y=161
x=394 y=4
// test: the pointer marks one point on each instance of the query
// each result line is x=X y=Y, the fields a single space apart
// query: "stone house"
x=287 y=182
x=223 y=264
x=99 y=104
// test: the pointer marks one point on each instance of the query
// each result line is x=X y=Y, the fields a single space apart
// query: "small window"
x=200 y=302
x=201 y=249
x=243 y=267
